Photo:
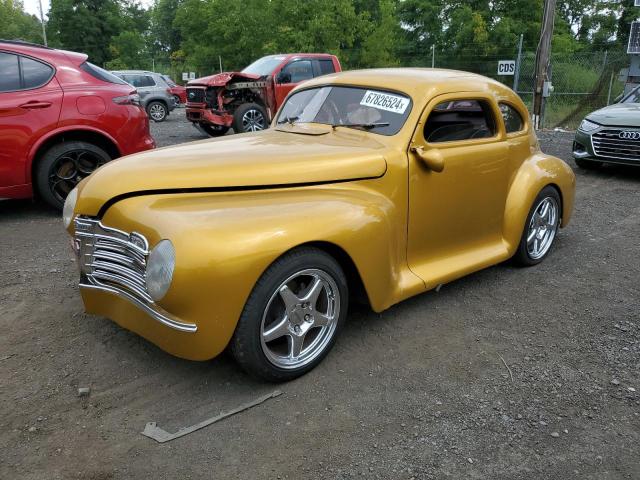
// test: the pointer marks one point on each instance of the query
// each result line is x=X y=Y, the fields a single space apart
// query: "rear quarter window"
x=35 y=74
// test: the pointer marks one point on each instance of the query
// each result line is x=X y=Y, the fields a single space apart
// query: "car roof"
x=415 y=81
x=42 y=52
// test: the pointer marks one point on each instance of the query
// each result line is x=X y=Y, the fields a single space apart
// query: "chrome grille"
x=607 y=143
x=195 y=95
x=116 y=262
x=112 y=258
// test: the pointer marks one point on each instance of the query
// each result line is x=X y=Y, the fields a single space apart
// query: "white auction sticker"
x=384 y=101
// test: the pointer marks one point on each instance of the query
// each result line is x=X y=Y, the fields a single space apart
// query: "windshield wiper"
x=288 y=120
x=366 y=126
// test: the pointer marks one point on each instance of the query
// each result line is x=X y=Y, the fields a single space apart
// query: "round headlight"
x=587 y=126
x=69 y=207
x=160 y=265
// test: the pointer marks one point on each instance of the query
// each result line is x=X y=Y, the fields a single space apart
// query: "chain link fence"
x=583 y=82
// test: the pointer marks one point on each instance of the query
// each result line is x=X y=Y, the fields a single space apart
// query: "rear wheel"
x=540 y=228
x=292 y=317
x=250 y=117
x=587 y=164
x=157 y=111
x=63 y=166
x=213 y=130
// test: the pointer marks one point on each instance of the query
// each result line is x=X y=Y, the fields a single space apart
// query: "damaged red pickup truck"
x=247 y=100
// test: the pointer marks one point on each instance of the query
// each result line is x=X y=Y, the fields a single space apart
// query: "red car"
x=247 y=100
x=178 y=91
x=61 y=118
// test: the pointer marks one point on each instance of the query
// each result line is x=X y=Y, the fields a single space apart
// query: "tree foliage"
x=16 y=24
x=197 y=34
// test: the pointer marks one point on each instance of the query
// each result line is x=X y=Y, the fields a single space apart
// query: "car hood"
x=220 y=79
x=276 y=158
x=619 y=115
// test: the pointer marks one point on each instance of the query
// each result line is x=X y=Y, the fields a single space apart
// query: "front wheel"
x=540 y=228
x=63 y=166
x=157 y=111
x=213 y=130
x=249 y=117
x=292 y=317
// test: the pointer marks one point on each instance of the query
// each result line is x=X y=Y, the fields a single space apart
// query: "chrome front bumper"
x=114 y=261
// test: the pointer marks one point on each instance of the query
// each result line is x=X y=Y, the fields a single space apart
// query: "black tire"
x=61 y=168
x=250 y=117
x=157 y=111
x=213 y=130
x=587 y=164
x=523 y=257
x=176 y=99
x=247 y=345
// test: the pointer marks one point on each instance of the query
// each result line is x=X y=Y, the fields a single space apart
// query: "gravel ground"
x=508 y=373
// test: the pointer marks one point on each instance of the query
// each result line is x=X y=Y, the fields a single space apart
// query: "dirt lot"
x=420 y=391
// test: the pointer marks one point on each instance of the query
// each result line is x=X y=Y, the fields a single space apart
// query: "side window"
x=460 y=120
x=326 y=67
x=35 y=74
x=513 y=122
x=300 y=70
x=10 y=78
x=147 y=81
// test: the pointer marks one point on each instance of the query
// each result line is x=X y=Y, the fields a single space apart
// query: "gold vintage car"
x=391 y=181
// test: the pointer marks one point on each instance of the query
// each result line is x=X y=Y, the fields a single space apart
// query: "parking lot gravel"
x=508 y=373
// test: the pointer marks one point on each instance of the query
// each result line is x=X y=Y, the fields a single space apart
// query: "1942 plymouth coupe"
x=390 y=182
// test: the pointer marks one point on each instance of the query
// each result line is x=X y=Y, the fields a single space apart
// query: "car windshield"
x=170 y=82
x=633 y=96
x=374 y=110
x=264 y=66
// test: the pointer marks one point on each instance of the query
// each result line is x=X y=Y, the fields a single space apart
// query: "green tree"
x=15 y=23
x=85 y=26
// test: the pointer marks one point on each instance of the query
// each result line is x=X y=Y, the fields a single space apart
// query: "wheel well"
x=159 y=100
x=357 y=291
x=557 y=189
x=74 y=135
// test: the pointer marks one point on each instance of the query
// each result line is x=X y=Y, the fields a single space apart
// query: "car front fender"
x=224 y=242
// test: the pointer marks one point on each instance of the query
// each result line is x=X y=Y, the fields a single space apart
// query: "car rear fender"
x=534 y=174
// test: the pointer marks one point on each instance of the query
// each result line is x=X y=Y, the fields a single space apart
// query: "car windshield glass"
x=170 y=82
x=374 y=110
x=633 y=97
x=264 y=66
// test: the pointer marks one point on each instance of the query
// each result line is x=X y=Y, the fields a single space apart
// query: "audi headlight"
x=587 y=126
x=69 y=207
x=160 y=266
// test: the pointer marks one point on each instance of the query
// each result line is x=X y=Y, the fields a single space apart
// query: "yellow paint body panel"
x=232 y=206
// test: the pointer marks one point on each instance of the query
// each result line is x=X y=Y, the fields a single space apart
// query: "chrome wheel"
x=542 y=228
x=300 y=319
x=71 y=167
x=157 y=112
x=253 y=121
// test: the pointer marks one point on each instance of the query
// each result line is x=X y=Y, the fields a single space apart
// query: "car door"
x=293 y=73
x=30 y=103
x=458 y=174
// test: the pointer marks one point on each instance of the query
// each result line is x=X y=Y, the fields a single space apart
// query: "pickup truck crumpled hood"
x=262 y=159
x=618 y=115
x=220 y=79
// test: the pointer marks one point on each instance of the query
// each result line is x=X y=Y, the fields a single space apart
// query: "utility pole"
x=542 y=61
x=44 y=33
x=516 y=76
x=433 y=55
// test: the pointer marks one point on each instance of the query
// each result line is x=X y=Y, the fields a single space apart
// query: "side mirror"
x=283 y=77
x=432 y=158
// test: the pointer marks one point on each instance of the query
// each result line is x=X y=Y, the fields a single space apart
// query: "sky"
x=32 y=7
